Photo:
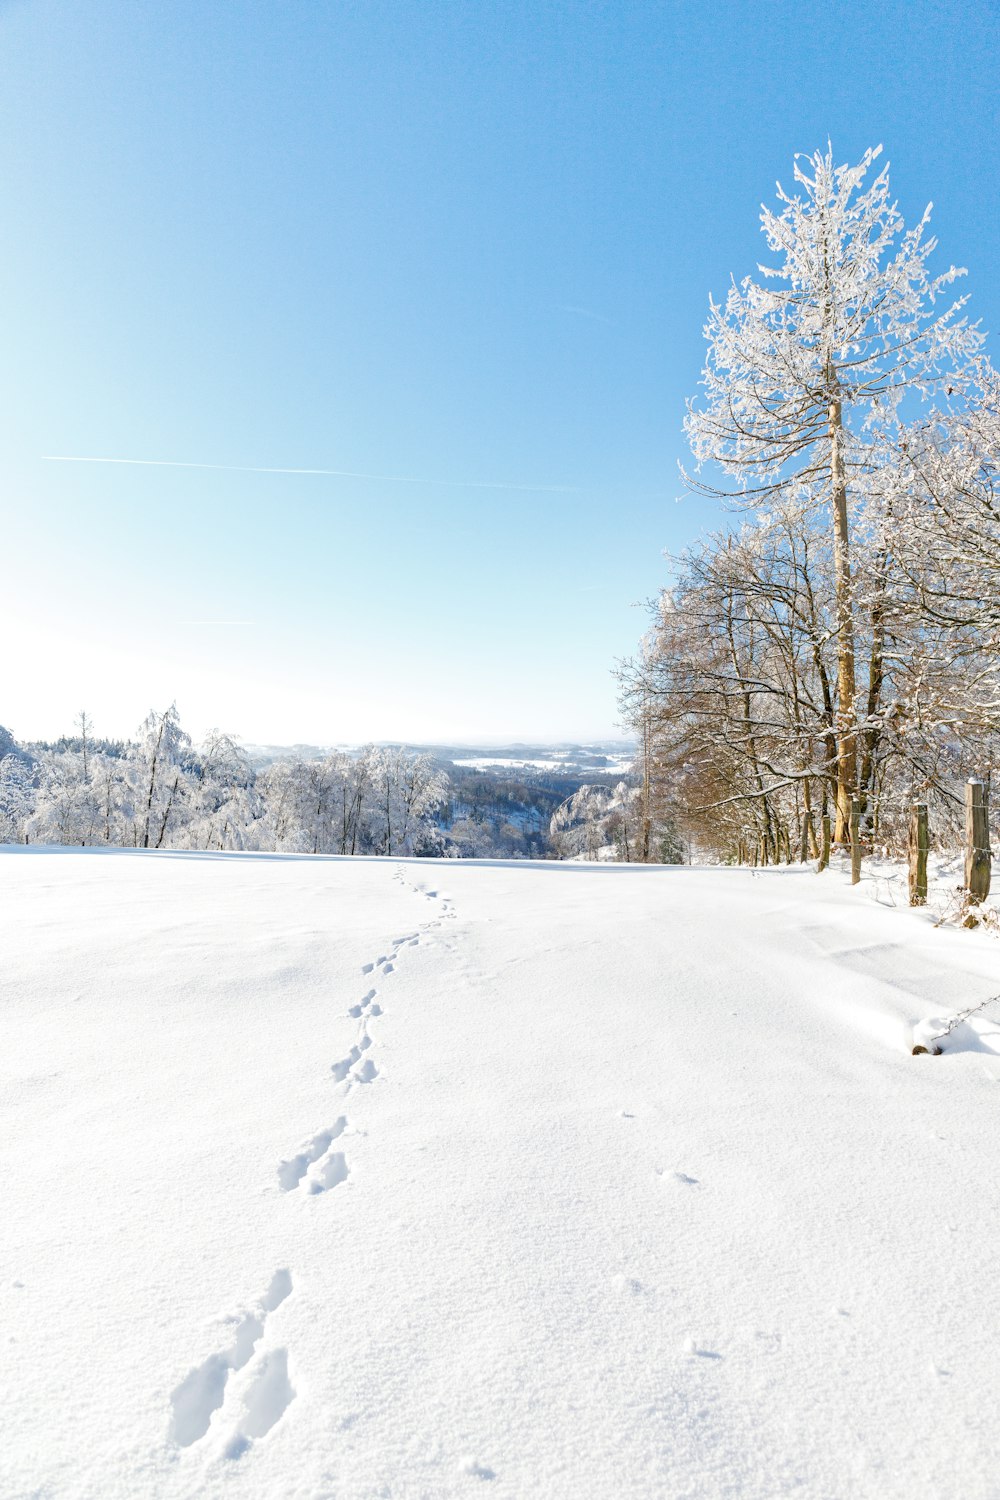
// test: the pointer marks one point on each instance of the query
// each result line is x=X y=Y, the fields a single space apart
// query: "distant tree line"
x=162 y=792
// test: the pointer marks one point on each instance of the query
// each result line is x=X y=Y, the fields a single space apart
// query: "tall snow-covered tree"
x=66 y=810
x=17 y=797
x=159 y=777
x=404 y=789
x=812 y=375
x=223 y=805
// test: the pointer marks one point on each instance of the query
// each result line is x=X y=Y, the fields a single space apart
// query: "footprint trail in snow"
x=315 y=1167
x=318 y=1165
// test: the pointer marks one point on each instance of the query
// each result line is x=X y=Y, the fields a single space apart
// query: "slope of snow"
x=344 y=1178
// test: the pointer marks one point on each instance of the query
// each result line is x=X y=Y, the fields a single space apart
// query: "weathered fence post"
x=855 y=840
x=824 y=855
x=918 y=854
x=977 y=842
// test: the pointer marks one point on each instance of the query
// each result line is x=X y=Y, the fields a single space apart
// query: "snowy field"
x=344 y=1178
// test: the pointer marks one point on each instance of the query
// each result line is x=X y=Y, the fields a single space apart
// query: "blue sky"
x=459 y=243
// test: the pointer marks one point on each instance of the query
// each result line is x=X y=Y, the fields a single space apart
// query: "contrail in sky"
x=168 y=463
x=586 y=312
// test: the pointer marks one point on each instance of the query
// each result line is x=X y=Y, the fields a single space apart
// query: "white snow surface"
x=350 y=1178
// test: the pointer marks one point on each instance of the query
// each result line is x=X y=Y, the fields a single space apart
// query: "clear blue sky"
x=448 y=241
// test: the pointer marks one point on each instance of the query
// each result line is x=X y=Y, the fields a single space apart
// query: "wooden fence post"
x=918 y=854
x=824 y=854
x=855 y=840
x=977 y=842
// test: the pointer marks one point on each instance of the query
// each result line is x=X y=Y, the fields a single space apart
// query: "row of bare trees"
x=843 y=643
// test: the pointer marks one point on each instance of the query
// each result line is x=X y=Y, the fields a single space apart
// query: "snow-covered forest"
x=843 y=641
x=162 y=791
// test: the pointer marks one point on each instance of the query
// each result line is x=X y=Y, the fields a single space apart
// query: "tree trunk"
x=166 y=811
x=855 y=828
x=846 y=687
x=872 y=735
x=824 y=856
x=813 y=850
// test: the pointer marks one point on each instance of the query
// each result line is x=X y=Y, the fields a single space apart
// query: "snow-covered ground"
x=345 y=1178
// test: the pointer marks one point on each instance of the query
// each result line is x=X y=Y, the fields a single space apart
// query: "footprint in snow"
x=328 y=1173
x=691 y=1347
x=341 y=1069
x=365 y=1003
x=475 y=1469
x=267 y=1398
x=292 y=1171
x=683 y=1179
x=203 y=1389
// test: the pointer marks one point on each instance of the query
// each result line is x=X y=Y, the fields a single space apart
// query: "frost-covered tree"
x=223 y=807
x=471 y=838
x=378 y=801
x=17 y=797
x=949 y=542
x=577 y=825
x=298 y=806
x=404 y=789
x=66 y=811
x=81 y=791
x=112 y=796
x=9 y=746
x=613 y=823
x=351 y=791
x=812 y=374
x=159 y=780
